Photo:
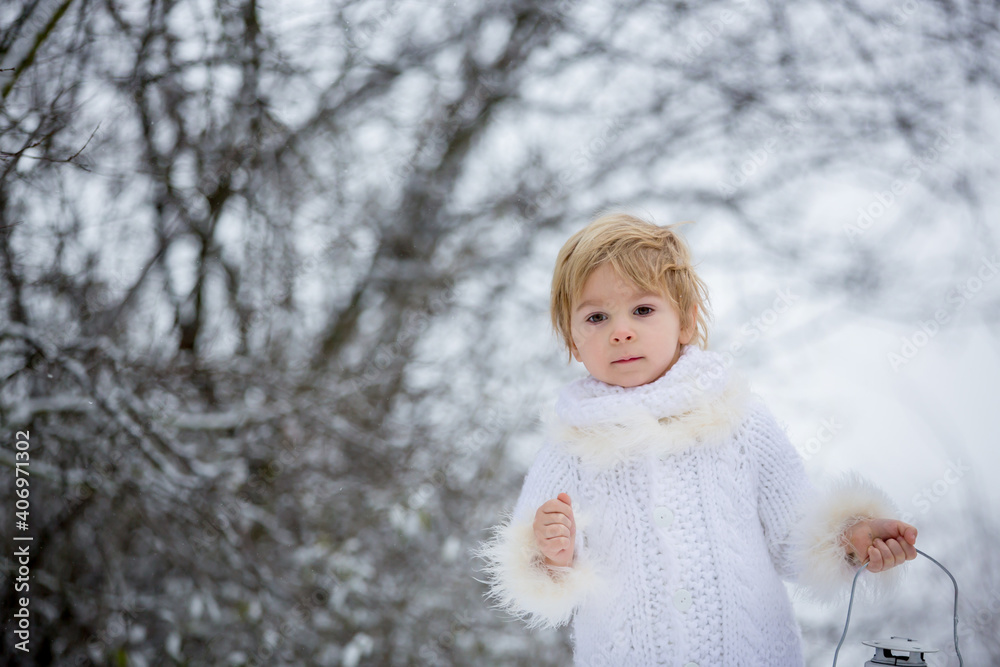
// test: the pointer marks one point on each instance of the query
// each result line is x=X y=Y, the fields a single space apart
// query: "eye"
x=597 y=317
x=643 y=310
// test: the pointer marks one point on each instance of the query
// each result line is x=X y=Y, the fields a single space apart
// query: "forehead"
x=604 y=286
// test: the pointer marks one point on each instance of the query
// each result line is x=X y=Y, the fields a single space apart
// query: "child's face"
x=623 y=336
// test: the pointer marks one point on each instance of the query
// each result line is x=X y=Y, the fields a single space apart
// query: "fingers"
x=559 y=504
x=896 y=551
x=555 y=529
x=886 y=554
x=909 y=534
x=892 y=543
x=874 y=559
x=908 y=549
x=556 y=511
x=889 y=528
x=557 y=548
x=554 y=546
x=544 y=518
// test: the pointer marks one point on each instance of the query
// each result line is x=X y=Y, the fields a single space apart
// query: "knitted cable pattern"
x=696 y=509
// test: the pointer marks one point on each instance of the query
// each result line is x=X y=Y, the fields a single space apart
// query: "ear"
x=689 y=326
x=575 y=352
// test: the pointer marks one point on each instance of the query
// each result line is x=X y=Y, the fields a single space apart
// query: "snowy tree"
x=274 y=276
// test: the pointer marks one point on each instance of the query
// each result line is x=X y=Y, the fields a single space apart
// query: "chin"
x=634 y=382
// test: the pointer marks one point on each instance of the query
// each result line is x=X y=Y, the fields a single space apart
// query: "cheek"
x=581 y=336
x=667 y=333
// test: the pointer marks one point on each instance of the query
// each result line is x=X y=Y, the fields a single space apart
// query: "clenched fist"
x=555 y=530
x=883 y=543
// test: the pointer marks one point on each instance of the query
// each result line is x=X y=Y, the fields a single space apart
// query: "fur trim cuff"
x=820 y=538
x=523 y=585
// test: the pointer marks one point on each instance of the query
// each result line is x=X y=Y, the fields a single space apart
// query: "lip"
x=626 y=360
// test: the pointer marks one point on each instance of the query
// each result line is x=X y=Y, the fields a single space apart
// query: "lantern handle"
x=851 y=603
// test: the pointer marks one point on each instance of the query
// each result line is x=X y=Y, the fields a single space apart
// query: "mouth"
x=626 y=360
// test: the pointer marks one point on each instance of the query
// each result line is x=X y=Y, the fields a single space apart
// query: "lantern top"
x=899 y=644
x=898 y=651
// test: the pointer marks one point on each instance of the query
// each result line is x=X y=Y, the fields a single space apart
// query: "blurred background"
x=274 y=280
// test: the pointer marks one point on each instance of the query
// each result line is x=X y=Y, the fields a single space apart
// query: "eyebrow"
x=637 y=297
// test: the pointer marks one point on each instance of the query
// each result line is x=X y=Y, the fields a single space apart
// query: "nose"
x=622 y=335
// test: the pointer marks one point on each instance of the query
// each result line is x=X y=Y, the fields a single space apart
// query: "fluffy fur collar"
x=696 y=403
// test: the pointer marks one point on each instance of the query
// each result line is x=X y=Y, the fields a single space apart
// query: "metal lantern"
x=898 y=651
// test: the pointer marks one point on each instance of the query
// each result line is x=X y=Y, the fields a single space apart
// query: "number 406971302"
x=22 y=459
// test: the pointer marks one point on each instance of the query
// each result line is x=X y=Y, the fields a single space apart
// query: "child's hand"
x=883 y=543
x=555 y=531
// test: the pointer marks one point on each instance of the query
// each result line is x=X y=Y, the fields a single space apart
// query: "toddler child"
x=667 y=506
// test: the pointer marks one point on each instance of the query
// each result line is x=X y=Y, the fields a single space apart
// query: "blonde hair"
x=656 y=259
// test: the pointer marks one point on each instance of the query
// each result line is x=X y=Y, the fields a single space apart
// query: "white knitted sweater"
x=691 y=508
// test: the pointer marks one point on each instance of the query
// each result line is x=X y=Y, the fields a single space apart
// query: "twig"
x=87 y=143
x=68 y=160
